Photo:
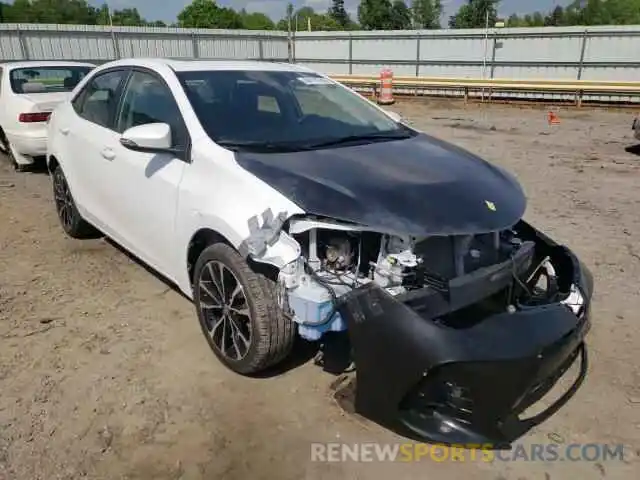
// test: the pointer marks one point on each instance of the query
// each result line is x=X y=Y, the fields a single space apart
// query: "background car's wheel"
x=4 y=144
x=239 y=313
x=7 y=149
x=70 y=219
x=11 y=153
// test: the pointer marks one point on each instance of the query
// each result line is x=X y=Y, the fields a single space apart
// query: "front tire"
x=239 y=313
x=72 y=222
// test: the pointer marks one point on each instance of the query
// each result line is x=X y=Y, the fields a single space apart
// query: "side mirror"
x=396 y=117
x=149 y=138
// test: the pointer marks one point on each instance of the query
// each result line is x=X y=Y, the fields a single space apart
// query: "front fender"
x=218 y=194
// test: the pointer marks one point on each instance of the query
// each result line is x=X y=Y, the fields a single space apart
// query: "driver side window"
x=148 y=100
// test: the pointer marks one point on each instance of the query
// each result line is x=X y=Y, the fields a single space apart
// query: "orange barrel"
x=386 y=87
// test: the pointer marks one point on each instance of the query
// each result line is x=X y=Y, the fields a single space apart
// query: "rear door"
x=90 y=139
x=144 y=194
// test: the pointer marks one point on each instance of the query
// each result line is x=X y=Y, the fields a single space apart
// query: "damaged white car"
x=285 y=204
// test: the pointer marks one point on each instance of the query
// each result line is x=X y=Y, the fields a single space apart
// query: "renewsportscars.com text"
x=410 y=452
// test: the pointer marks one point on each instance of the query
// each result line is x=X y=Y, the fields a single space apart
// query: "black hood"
x=417 y=186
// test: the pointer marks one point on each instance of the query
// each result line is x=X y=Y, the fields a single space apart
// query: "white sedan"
x=29 y=91
x=282 y=203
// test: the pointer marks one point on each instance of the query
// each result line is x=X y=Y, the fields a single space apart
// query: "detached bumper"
x=464 y=385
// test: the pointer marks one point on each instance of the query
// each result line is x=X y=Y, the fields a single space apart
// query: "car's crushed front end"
x=452 y=337
x=636 y=127
x=460 y=365
x=460 y=314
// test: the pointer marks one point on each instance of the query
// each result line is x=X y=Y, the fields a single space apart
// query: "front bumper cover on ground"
x=464 y=385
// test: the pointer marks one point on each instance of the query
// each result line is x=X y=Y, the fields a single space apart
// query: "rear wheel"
x=239 y=313
x=4 y=144
x=19 y=167
x=72 y=222
x=7 y=149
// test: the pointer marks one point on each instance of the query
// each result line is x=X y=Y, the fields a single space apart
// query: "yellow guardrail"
x=577 y=87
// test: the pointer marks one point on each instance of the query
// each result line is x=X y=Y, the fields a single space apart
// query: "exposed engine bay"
x=452 y=337
x=441 y=276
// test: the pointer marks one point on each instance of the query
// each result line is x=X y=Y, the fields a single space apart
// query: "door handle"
x=108 y=154
x=64 y=131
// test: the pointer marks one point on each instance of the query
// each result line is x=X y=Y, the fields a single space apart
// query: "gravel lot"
x=104 y=373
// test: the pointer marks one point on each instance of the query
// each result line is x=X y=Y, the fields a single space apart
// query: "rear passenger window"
x=98 y=102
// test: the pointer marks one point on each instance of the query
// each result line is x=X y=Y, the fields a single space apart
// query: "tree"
x=375 y=14
x=102 y=15
x=128 y=17
x=4 y=10
x=555 y=18
x=624 y=12
x=339 y=13
x=515 y=21
x=307 y=16
x=51 y=11
x=537 y=20
x=400 y=15
x=426 y=13
x=473 y=14
x=256 y=21
x=207 y=14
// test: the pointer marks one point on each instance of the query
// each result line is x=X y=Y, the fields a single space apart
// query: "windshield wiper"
x=382 y=136
x=260 y=145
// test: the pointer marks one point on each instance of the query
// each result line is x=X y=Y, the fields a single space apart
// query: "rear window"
x=46 y=79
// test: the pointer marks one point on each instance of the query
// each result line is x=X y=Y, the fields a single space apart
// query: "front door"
x=146 y=185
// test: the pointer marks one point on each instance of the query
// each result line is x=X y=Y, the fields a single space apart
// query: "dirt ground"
x=104 y=373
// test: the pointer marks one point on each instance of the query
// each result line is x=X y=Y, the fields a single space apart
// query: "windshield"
x=46 y=79
x=283 y=110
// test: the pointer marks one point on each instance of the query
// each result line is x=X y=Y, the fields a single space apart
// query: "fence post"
x=194 y=43
x=24 y=52
x=493 y=55
x=583 y=48
x=261 y=48
x=418 y=54
x=350 y=53
x=114 y=40
x=293 y=47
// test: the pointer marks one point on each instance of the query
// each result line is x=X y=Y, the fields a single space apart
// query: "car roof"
x=44 y=63
x=199 y=65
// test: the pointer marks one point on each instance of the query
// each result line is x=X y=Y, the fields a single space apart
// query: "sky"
x=167 y=10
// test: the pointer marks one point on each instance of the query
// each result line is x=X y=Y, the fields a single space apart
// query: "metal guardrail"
x=468 y=86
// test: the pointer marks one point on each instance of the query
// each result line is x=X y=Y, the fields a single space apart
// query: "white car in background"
x=29 y=91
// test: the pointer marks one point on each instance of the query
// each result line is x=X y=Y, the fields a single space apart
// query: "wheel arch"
x=200 y=240
x=207 y=236
x=52 y=163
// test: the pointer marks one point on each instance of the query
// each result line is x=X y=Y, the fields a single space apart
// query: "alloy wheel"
x=224 y=307
x=63 y=200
